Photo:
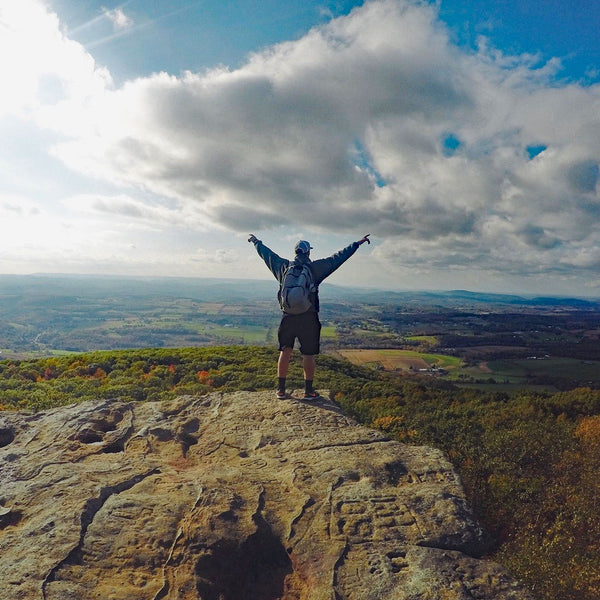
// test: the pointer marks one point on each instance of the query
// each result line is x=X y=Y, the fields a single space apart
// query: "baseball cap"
x=303 y=246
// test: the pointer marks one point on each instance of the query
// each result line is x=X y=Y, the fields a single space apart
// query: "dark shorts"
x=306 y=327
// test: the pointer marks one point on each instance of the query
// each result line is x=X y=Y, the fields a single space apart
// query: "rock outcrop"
x=231 y=497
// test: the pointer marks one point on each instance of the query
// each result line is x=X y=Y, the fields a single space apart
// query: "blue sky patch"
x=362 y=159
x=450 y=144
x=533 y=151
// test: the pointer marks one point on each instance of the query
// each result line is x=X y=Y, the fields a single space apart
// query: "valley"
x=473 y=340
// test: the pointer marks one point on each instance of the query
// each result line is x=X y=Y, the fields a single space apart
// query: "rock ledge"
x=231 y=497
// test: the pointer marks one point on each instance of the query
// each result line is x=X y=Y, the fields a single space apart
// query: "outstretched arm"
x=274 y=262
x=324 y=267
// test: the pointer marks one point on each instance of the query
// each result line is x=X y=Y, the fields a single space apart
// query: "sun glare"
x=43 y=66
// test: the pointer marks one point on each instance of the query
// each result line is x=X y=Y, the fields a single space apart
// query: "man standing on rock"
x=299 y=300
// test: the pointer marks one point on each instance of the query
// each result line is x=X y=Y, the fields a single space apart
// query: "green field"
x=568 y=368
x=328 y=331
x=430 y=340
x=246 y=334
x=400 y=360
x=547 y=374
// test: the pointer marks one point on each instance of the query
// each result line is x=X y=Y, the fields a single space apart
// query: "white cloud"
x=127 y=209
x=12 y=206
x=275 y=141
x=118 y=18
x=220 y=256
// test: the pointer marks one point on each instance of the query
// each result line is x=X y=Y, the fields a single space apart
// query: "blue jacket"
x=321 y=268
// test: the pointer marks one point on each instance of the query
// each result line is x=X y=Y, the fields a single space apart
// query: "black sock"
x=308 y=386
x=281 y=384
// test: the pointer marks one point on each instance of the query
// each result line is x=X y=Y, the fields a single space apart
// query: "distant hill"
x=236 y=290
x=454 y=298
x=105 y=285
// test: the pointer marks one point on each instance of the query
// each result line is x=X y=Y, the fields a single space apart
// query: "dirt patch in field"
x=392 y=364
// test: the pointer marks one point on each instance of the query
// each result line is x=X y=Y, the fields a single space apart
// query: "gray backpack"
x=296 y=287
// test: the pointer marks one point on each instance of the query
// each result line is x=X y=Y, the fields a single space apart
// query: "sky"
x=150 y=138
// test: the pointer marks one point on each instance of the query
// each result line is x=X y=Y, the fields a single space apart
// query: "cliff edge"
x=231 y=497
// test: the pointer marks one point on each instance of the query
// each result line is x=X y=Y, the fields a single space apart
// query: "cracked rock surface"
x=231 y=497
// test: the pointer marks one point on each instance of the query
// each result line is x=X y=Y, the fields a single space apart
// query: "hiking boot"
x=311 y=396
x=283 y=395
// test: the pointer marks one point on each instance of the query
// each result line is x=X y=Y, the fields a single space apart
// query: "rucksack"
x=296 y=287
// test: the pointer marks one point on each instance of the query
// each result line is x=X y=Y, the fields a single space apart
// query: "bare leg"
x=309 y=364
x=283 y=364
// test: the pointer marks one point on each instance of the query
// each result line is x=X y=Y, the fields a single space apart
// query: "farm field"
x=430 y=340
x=237 y=334
x=404 y=360
x=542 y=374
x=328 y=332
x=519 y=370
x=482 y=352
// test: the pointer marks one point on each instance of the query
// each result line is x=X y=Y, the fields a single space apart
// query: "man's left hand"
x=365 y=239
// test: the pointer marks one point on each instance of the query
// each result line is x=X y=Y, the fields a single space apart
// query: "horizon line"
x=523 y=295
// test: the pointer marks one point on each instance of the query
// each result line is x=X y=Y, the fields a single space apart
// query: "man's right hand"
x=253 y=238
